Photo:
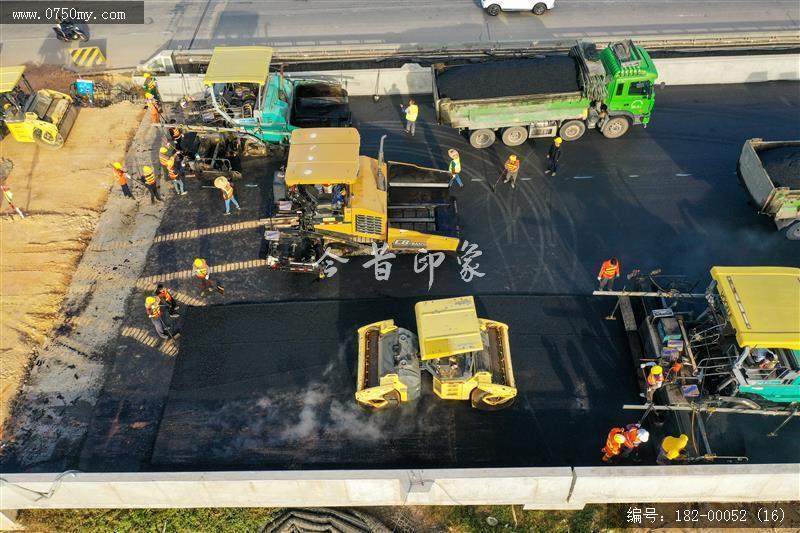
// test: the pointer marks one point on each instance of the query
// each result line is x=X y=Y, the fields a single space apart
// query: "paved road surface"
x=208 y=23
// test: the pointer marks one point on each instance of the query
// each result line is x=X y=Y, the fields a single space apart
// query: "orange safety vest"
x=165 y=295
x=150 y=179
x=612 y=447
x=227 y=192
x=121 y=180
x=153 y=311
x=171 y=172
x=631 y=437
x=512 y=166
x=608 y=270
x=202 y=271
x=155 y=111
x=655 y=380
x=175 y=133
x=164 y=159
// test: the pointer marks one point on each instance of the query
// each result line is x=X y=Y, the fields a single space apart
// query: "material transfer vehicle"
x=44 y=116
x=547 y=96
x=331 y=200
x=537 y=7
x=265 y=104
x=770 y=171
x=469 y=358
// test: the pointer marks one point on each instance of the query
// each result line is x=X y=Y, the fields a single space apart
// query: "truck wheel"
x=493 y=10
x=572 y=130
x=514 y=136
x=616 y=127
x=482 y=138
x=792 y=231
x=539 y=9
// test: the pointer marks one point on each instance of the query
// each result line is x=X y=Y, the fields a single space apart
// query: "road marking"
x=476 y=179
x=581 y=177
x=526 y=179
x=633 y=175
x=683 y=175
x=90 y=56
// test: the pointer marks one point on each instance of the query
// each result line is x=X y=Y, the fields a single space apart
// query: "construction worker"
x=150 y=85
x=176 y=135
x=634 y=435
x=175 y=175
x=163 y=295
x=654 y=379
x=553 y=156
x=150 y=181
x=609 y=271
x=155 y=109
x=411 y=112
x=455 y=167
x=164 y=153
x=225 y=186
x=614 y=442
x=510 y=170
x=672 y=449
x=123 y=180
x=202 y=272
x=153 y=308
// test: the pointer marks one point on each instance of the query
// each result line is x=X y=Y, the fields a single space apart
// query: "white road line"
x=526 y=179
x=683 y=175
x=633 y=175
x=581 y=177
x=476 y=179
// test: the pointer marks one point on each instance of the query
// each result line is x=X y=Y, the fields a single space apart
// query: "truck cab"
x=268 y=105
x=761 y=334
x=631 y=90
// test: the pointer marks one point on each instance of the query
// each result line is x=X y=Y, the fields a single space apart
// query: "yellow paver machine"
x=44 y=116
x=468 y=357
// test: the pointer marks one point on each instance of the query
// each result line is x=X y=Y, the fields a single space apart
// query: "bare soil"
x=62 y=194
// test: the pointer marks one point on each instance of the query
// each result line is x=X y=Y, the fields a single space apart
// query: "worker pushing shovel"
x=202 y=272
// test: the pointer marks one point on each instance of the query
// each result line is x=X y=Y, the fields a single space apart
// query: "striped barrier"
x=91 y=56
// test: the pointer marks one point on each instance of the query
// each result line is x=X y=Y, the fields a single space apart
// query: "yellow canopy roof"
x=323 y=155
x=239 y=64
x=9 y=78
x=763 y=304
x=448 y=327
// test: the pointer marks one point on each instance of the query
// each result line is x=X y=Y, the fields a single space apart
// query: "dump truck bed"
x=419 y=199
x=320 y=105
x=765 y=166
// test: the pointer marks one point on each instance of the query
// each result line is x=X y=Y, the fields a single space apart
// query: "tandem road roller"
x=468 y=357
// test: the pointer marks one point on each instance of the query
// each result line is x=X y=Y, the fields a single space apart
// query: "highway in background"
x=206 y=23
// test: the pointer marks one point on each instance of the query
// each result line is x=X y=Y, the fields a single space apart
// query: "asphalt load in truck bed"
x=515 y=77
x=782 y=165
x=274 y=388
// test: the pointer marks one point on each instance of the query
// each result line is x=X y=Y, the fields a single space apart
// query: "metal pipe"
x=732 y=410
x=658 y=294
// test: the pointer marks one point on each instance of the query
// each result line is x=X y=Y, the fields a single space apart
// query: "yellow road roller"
x=468 y=357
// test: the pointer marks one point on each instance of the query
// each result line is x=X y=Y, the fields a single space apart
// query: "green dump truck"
x=770 y=171
x=545 y=96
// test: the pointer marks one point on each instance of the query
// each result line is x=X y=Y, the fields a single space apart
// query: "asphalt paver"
x=662 y=197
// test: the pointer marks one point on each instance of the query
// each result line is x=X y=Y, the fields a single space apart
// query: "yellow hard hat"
x=148 y=95
x=558 y=140
x=512 y=157
x=619 y=438
x=656 y=370
x=146 y=74
x=220 y=182
x=118 y=166
x=198 y=262
x=163 y=150
x=150 y=300
x=147 y=170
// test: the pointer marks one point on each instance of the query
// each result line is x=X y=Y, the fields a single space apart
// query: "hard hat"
x=147 y=170
x=512 y=157
x=558 y=140
x=150 y=300
x=146 y=74
x=619 y=438
x=220 y=182
x=118 y=166
x=163 y=150
x=644 y=435
x=452 y=153
x=656 y=370
x=198 y=262
x=148 y=95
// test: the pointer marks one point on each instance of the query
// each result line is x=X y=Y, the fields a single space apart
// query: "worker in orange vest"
x=510 y=170
x=164 y=154
x=614 y=442
x=164 y=295
x=123 y=179
x=609 y=271
x=153 y=308
x=175 y=175
x=654 y=379
x=635 y=435
x=150 y=181
x=225 y=186
x=202 y=272
x=155 y=109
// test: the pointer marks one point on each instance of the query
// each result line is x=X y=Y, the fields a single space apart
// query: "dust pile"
x=62 y=193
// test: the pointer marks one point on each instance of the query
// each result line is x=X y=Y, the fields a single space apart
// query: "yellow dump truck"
x=332 y=199
x=44 y=116
x=468 y=357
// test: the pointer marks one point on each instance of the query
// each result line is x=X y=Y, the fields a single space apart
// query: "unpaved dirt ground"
x=63 y=193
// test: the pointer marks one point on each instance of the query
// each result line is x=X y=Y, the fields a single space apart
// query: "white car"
x=538 y=7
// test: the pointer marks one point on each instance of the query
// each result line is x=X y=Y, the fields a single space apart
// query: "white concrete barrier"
x=728 y=69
